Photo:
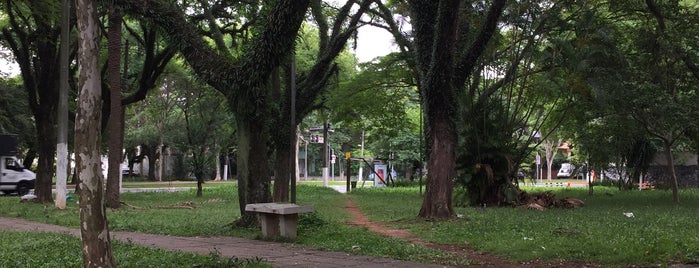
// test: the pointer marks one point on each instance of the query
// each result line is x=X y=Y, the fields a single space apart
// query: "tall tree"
x=94 y=232
x=62 y=113
x=205 y=119
x=638 y=60
x=243 y=80
x=442 y=69
x=666 y=76
x=311 y=83
x=32 y=33
x=116 y=114
x=141 y=69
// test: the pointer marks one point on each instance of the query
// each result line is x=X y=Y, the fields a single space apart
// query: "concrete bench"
x=278 y=219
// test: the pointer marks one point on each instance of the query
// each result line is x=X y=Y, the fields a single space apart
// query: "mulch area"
x=479 y=259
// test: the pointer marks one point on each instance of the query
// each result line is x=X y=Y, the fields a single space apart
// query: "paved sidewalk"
x=278 y=254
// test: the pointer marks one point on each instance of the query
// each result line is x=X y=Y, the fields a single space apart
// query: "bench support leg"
x=287 y=225
x=270 y=224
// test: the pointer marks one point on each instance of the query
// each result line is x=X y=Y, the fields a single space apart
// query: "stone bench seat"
x=278 y=219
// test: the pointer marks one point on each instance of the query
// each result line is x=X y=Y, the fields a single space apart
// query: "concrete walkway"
x=277 y=254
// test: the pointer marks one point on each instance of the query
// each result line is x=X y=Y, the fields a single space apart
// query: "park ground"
x=464 y=241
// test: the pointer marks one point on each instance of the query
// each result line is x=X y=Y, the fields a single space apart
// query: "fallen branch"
x=132 y=206
x=183 y=205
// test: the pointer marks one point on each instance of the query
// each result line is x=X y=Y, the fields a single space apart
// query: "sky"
x=373 y=42
x=7 y=68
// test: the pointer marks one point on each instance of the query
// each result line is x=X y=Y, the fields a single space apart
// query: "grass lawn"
x=659 y=232
x=31 y=249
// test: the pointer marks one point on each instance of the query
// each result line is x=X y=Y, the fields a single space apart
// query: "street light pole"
x=294 y=137
x=362 y=156
x=325 y=154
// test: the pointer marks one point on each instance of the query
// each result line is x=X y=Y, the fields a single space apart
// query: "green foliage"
x=485 y=160
x=14 y=112
x=383 y=101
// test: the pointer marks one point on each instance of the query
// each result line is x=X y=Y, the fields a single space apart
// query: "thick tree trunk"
x=241 y=81
x=253 y=172
x=96 y=247
x=116 y=114
x=38 y=60
x=441 y=109
x=280 y=139
x=47 y=148
x=282 y=173
x=441 y=164
x=62 y=162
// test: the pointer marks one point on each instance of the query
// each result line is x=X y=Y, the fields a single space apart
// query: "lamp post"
x=346 y=148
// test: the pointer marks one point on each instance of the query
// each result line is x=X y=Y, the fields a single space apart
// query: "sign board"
x=381 y=170
x=8 y=145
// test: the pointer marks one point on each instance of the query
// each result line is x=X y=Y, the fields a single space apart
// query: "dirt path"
x=479 y=259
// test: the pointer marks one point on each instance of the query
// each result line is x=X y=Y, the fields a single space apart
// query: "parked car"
x=566 y=170
x=125 y=172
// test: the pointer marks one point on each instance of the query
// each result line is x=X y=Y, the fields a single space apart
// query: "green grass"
x=32 y=249
x=659 y=233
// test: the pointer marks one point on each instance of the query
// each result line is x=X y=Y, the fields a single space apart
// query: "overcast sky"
x=373 y=42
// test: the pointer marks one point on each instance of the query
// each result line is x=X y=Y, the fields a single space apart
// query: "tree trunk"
x=116 y=114
x=441 y=109
x=161 y=158
x=94 y=232
x=441 y=166
x=38 y=60
x=253 y=177
x=62 y=113
x=241 y=81
x=674 y=185
x=281 y=141
x=282 y=172
x=217 y=162
x=47 y=149
x=200 y=180
x=29 y=158
x=550 y=155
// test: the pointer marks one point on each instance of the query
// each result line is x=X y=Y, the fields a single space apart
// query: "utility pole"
x=361 y=154
x=294 y=136
x=325 y=154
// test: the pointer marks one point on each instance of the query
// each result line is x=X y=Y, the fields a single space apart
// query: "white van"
x=14 y=178
x=566 y=170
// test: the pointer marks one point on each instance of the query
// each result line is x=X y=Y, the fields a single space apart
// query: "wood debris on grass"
x=544 y=200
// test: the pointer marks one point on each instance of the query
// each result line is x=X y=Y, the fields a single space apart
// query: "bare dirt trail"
x=479 y=259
